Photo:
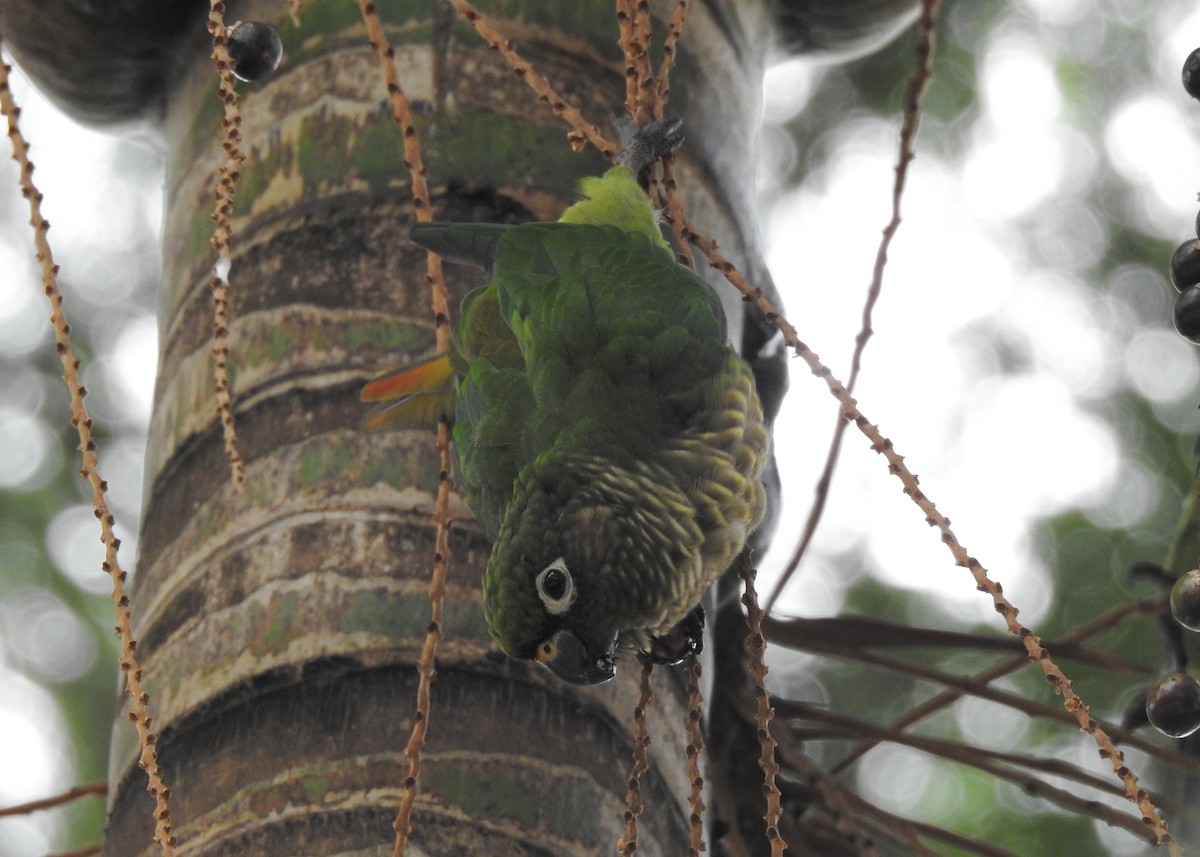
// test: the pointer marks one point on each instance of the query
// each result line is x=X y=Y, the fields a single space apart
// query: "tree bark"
x=279 y=628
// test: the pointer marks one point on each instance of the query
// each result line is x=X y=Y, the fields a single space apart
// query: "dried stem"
x=633 y=22
x=227 y=179
x=666 y=195
x=634 y=807
x=139 y=714
x=647 y=91
x=422 y=208
x=626 y=40
x=425 y=667
x=672 y=208
x=751 y=293
x=908 y=132
x=662 y=82
x=415 y=164
x=695 y=747
x=583 y=131
x=98 y=789
x=763 y=711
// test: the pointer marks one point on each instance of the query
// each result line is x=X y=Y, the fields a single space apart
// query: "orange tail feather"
x=428 y=376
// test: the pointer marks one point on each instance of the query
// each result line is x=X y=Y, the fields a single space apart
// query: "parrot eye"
x=555 y=587
x=547 y=651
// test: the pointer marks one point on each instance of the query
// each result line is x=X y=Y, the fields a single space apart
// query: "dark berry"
x=1191 y=74
x=1185 y=601
x=1173 y=705
x=256 y=50
x=1187 y=314
x=1185 y=264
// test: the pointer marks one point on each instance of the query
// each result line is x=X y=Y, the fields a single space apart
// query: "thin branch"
x=763 y=711
x=634 y=807
x=751 y=293
x=666 y=195
x=647 y=92
x=627 y=41
x=922 y=75
x=426 y=665
x=864 y=632
x=139 y=713
x=695 y=747
x=908 y=132
x=672 y=210
x=227 y=179
x=662 y=82
x=422 y=208
x=99 y=789
x=415 y=164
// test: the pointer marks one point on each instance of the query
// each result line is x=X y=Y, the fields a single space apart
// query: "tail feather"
x=419 y=411
x=423 y=395
x=435 y=373
x=465 y=243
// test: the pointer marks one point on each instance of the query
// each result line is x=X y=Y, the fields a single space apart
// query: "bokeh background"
x=1023 y=361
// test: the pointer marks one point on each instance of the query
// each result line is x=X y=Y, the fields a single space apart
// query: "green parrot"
x=607 y=437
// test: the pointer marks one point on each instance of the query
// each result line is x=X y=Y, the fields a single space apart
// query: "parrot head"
x=580 y=569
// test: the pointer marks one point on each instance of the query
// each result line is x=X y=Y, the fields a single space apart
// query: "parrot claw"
x=686 y=638
x=645 y=145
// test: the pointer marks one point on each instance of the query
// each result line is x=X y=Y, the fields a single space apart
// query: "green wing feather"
x=475 y=246
x=494 y=399
x=607 y=324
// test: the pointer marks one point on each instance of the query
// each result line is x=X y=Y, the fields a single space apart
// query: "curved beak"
x=573 y=662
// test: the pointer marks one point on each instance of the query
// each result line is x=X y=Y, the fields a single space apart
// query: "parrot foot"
x=643 y=146
x=686 y=638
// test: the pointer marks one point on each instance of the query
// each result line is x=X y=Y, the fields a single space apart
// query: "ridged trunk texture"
x=279 y=628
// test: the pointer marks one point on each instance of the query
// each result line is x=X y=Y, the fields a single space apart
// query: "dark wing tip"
x=465 y=243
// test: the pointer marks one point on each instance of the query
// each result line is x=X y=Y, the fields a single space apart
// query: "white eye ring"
x=556 y=587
